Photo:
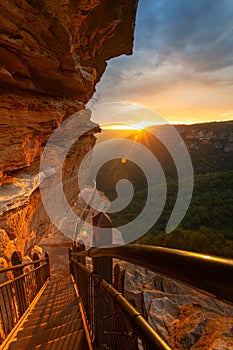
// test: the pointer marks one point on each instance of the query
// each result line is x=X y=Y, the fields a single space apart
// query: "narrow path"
x=54 y=322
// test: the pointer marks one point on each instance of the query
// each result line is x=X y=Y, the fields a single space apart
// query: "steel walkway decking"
x=54 y=322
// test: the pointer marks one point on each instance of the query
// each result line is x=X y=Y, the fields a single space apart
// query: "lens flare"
x=124 y=149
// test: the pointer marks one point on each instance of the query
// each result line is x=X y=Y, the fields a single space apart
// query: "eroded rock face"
x=183 y=317
x=60 y=47
x=52 y=54
x=199 y=136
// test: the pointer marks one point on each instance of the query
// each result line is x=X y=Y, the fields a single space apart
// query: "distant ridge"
x=210 y=146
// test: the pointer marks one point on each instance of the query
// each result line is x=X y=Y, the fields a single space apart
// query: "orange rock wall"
x=52 y=54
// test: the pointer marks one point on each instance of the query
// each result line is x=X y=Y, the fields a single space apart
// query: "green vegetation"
x=202 y=241
x=212 y=203
x=208 y=224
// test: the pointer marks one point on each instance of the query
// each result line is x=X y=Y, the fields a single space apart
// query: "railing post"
x=19 y=284
x=5 y=305
x=102 y=236
x=18 y=292
x=118 y=279
x=74 y=270
x=37 y=272
x=70 y=262
x=81 y=248
x=48 y=265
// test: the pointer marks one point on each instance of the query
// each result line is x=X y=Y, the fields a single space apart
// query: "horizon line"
x=138 y=127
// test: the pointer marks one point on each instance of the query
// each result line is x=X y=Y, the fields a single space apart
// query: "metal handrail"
x=17 y=293
x=206 y=273
x=123 y=319
x=143 y=328
x=21 y=266
x=20 y=277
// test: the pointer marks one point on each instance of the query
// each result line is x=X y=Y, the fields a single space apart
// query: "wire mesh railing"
x=83 y=279
x=113 y=323
x=112 y=326
x=17 y=293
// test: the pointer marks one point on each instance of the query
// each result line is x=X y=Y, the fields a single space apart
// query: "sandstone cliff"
x=184 y=317
x=52 y=54
x=217 y=135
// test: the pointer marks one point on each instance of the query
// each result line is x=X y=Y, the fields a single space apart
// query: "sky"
x=181 y=69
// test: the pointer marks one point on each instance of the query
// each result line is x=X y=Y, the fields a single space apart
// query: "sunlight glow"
x=144 y=123
x=121 y=126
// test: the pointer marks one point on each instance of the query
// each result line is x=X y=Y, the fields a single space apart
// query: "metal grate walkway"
x=54 y=322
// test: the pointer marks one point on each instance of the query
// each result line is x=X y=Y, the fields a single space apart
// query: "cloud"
x=178 y=43
x=188 y=31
